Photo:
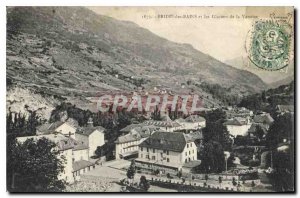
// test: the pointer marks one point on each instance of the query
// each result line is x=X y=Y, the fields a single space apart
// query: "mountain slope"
x=269 y=77
x=73 y=52
x=284 y=81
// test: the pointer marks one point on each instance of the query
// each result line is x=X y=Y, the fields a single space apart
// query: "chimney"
x=90 y=122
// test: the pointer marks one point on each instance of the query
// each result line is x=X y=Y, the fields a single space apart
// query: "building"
x=80 y=151
x=90 y=136
x=196 y=137
x=166 y=152
x=65 y=146
x=232 y=112
x=192 y=122
x=282 y=109
x=264 y=119
x=165 y=124
x=80 y=167
x=64 y=127
x=238 y=126
x=127 y=145
x=130 y=128
x=76 y=144
x=80 y=159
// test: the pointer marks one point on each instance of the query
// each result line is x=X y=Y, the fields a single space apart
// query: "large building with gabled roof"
x=166 y=152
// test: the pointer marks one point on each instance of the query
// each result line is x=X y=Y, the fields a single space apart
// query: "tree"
x=212 y=157
x=230 y=161
x=215 y=129
x=131 y=170
x=233 y=181
x=144 y=184
x=259 y=132
x=182 y=180
x=34 y=166
x=220 y=180
x=18 y=124
x=282 y=128
x=102 y=150
x=179 y=174
x=156 y=114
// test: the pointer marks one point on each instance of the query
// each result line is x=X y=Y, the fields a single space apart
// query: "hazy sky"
x=222 y=38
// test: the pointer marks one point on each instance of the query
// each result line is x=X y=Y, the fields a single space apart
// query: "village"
x=166 y=152
x=156 y=102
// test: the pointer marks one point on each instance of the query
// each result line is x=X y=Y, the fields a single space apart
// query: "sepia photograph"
x=150 y=99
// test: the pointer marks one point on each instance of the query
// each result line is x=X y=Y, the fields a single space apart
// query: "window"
x=153 y=157
x=141 y=155
x=167 y=152
x=153 y=150
x=168 y=160
x=147 y=149
x=147 y=157
x=141 y=148
x=185 y=153
x=193 y=151
x=188 y=145
x=189 y=152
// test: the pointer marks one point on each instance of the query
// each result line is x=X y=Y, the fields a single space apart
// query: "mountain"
x=272 y=78
x=73 y=53
x=284 y=81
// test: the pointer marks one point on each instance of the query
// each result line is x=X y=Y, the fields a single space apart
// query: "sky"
x=223 y=38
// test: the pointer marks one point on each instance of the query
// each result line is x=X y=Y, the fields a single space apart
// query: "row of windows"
x=189 y=145
x=128 y=149
x=189 y=159
x=130 y=143
x=153 y=158
x=153 y=150
x=189 y=152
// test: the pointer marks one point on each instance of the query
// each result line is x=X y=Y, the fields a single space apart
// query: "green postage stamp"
x=270 y=44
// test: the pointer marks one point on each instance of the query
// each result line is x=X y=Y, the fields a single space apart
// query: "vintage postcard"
x=150 y=99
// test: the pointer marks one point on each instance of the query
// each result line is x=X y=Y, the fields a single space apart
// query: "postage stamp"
x=270 y=44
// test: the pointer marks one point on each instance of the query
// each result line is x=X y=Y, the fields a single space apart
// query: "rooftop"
x=89 y=130
x=195 y=118
x=49 y=127
x=127 y=138
x=263 y=118
x=238 y=121
x=62 y=142
x=78 y=165
x=172 y=141
x=285 y=108
x=162 y=123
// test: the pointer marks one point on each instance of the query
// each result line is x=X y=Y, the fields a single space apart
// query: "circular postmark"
x=269 y=45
